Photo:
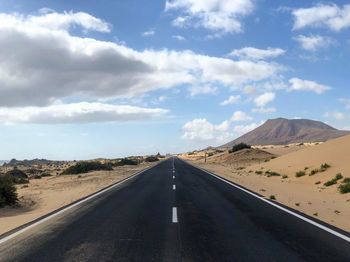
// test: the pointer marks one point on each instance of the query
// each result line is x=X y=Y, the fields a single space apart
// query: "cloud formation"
x=252 y=53
x=313 y=42
x=297 y=84
x=82 y=112
x=50 y=63
x=216 y=15
x=231 y=100
x=200 y=129
x=330 y=16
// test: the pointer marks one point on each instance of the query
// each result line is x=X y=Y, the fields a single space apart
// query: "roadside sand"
x=303 y=194
x=45 y=195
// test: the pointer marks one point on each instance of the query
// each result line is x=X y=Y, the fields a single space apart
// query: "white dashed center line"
x=175 y=215
x=174 y=187
x=173 y=177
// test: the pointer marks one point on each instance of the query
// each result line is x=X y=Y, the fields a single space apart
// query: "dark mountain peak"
x=286 y=131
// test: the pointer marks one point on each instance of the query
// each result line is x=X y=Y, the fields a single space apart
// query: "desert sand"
x=42 y=196
x=307 y=193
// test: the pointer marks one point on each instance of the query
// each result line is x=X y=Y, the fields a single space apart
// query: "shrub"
x=272 y=173
x=258 y=172
x=86 y=166
x=314 y=171
x=151 y=159
x=8 y=194
x=346 y=180
x=300 y=174
x=324 y=167
x=338 y=176
x=284 y=176
x=344 y=188
x=126 y=161
x=272 y=197
x=318 y=182
x=210 y=154
x=239 y=147
x=334 y=180
x=17 y=176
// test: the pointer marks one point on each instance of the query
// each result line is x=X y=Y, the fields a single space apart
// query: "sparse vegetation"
x=17 y=176
x=300 y=173
x=272 y=197
x=151 y=159
x=324 y=167
x=334 y=180
x=126 y=161
x=318 y=182
x=8 y=194
x=239 y=147
x=272 y=173
x=284 y=176
x=258 y=172
x=314 y=171
x=85 y=167
x=345 y=186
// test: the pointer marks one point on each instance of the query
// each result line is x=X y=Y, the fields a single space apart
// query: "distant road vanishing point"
x=176 y=212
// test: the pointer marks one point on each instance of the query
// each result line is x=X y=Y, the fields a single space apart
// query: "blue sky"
x=87 y=79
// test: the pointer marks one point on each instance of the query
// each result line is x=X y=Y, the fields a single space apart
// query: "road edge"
x=23 y=228
x=316 y=222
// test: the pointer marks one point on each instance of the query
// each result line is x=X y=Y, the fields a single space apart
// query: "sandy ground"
x=307 y=193
x=50 y=193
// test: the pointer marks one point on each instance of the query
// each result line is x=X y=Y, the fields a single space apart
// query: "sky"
x=84 y=79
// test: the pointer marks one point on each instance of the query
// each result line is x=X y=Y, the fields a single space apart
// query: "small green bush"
x=284 y=176
x=258 y=172
x=85 y=167
x=344 y=188
x=239 y=147
x=151 y=159
x=272 y=197
x=324 y=167
x=346 y=180
x=314 y=171
x=8 y=194
x=272 y=173
x=300 y=174
x=334 y=180
x=126 y=161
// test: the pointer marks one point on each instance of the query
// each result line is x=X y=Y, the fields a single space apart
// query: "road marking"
x=331 y=231
x=173 y=171
x=175 y=215
x=3 y=240
x=173 y=177
x=174 y=187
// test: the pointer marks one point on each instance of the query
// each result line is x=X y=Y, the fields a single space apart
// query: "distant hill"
x=281 y=131
x=14 y=162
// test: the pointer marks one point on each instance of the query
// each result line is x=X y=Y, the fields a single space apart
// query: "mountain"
x=281 y=131
x=15 y=162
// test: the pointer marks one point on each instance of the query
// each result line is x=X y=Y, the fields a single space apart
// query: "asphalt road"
x=175 y=212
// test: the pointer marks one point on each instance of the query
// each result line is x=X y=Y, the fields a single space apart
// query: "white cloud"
x=335 y=115
x=82 y=112
x=240 y=116
x=298 y=84
x=51 y=64
x=201 y=129
x=263 y=99
x=257 y=54
x=313 y=42
x=264 y=110
x=148 y=33
x=331 y=16
x=179 y=37
x=231 y=100
x=216 y=15
x=243 y=129
x=202 y=90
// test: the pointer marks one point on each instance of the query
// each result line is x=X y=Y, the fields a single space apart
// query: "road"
x=175 y=212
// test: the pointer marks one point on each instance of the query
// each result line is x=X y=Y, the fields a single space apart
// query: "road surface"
x=175 y=212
